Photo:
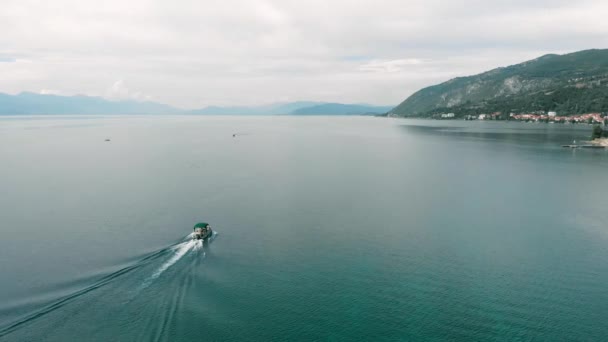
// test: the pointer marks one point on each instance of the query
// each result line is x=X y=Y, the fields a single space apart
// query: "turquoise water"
x=333 y=229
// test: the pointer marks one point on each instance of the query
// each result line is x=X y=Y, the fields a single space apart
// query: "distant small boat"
x=107 y=139
x=202 y=231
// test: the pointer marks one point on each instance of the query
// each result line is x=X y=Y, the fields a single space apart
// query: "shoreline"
x=599 y=142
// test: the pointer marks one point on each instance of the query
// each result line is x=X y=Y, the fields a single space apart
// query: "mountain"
x=341 y=109
x=31 y=103
x=296 y=108
x=272 y=109
x=569 y=84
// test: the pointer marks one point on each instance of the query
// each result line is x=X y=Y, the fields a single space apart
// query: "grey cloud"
x=196 y=53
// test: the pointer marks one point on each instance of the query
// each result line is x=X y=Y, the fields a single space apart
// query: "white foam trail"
x=198 y=245
x=179 y=250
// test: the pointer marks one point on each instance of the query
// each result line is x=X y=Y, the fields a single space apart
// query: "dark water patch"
x=515 y=133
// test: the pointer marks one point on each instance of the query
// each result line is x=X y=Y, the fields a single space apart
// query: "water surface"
x=334 y=229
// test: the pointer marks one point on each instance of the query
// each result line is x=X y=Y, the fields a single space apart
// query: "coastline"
x=600 y=142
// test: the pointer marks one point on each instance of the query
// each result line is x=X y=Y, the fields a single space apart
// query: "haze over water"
x=347 y=228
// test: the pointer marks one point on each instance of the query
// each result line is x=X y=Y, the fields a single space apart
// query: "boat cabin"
x=202 y=230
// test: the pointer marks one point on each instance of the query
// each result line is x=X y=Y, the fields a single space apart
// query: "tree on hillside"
x=597 y=133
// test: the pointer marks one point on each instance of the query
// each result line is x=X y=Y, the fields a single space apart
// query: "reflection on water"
x=521 y=133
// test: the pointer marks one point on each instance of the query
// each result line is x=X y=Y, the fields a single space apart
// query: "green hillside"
x=569 y=84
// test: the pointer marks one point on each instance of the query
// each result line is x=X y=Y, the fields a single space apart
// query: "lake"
x=327 y=228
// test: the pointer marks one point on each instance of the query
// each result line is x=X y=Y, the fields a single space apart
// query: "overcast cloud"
x=236 y=52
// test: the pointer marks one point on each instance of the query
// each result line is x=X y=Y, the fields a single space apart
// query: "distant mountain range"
x=272 y=109
x=31 y=104
x=568 y=84
x=342 y=109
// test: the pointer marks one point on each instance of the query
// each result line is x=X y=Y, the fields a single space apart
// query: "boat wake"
x=179 y=251
x=174 y=253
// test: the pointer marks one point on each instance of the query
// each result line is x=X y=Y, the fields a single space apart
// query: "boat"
x=202 y=231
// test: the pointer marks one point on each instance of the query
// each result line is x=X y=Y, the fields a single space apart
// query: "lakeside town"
x=599 y=135
x=549 y=117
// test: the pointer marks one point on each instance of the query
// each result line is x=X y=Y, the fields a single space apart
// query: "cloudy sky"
x=194 y=53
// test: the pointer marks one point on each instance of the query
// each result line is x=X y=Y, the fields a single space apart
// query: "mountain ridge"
x=570 y=83
x=342 y=109
x=28 y=103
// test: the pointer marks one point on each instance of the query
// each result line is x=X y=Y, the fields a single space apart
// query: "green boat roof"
x=201 y=225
